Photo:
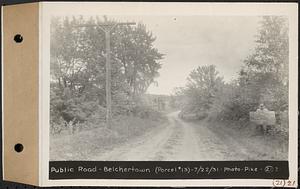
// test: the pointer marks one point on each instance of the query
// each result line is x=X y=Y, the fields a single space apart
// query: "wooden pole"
x=108 y=80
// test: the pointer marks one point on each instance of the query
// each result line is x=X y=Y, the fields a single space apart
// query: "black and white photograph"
x=169 y=88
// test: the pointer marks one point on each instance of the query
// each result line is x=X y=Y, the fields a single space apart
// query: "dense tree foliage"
x=262 y=79
x=199 y=93
x=78 y=68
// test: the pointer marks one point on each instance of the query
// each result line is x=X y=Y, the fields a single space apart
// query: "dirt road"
x=186 y=141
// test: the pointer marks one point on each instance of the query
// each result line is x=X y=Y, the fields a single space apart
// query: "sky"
x=192 y=41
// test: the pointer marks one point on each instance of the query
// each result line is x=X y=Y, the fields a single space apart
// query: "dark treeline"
x=78 y=71
x=263 y=79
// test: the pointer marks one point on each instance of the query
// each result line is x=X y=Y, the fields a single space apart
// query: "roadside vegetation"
x=263 y=79
x=77 y=99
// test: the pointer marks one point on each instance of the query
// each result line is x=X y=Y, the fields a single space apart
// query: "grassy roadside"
x=84 y=144
x=272 y=146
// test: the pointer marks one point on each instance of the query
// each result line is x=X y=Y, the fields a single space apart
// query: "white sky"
x=192 y=41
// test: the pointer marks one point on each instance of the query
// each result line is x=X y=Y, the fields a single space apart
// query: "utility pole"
x=107 y=27
x=108 y=76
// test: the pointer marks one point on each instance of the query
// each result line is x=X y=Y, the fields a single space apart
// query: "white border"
x=2 y=95
x=143 y=8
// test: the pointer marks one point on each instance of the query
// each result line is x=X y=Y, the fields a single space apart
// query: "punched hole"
x=18 y=38
x=19 y=147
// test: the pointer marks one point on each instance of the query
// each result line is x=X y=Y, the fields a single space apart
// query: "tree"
x=138 y=59
x=266 y=71
x=264 y=76
x=272 y=49
x=202 y=86
x=77 y=58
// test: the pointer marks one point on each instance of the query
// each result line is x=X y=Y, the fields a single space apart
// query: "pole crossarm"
x=107 y=27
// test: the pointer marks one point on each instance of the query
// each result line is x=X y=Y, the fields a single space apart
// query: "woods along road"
x=179 y=140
